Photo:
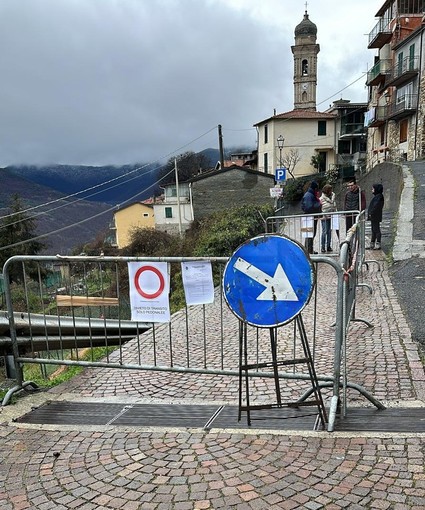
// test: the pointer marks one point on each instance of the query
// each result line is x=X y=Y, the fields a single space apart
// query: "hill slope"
x=106 y=184
x=57 y=215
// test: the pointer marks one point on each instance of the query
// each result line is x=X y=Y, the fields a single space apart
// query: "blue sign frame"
x=268 y=280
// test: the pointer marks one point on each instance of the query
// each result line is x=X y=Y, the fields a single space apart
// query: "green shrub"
x=295 y=188
x=19 y=300
x=149 y=242
x=221 y=233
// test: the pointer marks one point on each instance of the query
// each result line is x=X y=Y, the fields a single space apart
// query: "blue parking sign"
x=280 y=174
x=268 y=280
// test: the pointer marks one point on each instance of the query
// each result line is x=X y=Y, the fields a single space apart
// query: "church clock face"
x=304 y=86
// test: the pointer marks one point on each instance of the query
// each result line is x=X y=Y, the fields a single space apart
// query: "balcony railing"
x=352 y=129
x=403 y=107
x=379 y=118
x=380 y=34
x=404 y=71
x=379 y=72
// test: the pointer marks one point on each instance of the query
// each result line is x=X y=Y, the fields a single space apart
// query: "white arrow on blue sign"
x=280 y=174
x=268 y=280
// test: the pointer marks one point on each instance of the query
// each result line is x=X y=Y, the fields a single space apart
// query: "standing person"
x=354 y=200
x=374 y=214
x=311 y=204
x=328 y=202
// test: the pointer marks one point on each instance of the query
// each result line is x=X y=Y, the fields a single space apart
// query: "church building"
x=303 y=139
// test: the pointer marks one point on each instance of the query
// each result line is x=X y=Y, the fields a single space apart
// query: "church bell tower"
x=305 y=52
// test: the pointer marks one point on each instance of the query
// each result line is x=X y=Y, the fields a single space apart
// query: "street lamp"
x=280 y=141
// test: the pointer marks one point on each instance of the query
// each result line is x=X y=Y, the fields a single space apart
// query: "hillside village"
x=346 y=139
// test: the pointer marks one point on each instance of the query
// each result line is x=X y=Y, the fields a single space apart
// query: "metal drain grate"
x=220 y=417
x=165 y=415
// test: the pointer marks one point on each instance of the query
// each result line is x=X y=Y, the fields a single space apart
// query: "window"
x=404 y=126
x=382 y=135
x=304 y=67
x=410 y=7
x=321 y=128
x=399 y=63
x=411 y=57
x=168 y=212
x=266 y=133
x=266 y=163
x=323 y=157
x=344 y=147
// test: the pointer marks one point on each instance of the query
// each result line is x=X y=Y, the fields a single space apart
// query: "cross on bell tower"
x=305 y=52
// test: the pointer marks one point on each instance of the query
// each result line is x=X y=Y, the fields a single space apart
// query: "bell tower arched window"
x=304 y=67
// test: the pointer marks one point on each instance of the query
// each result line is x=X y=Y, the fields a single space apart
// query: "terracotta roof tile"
x=305 y=114
x=301 y=114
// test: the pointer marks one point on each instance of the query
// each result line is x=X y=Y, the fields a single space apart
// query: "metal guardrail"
x=43 y=332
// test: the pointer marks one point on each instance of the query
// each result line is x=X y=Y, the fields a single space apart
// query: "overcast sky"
x=123 y=81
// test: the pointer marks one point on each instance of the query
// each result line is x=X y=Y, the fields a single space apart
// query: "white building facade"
x=175 y=214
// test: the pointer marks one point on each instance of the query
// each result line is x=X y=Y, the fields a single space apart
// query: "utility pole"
x=178 y=197
x=220 y=145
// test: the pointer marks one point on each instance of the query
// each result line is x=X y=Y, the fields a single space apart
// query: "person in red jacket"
x=354 y=200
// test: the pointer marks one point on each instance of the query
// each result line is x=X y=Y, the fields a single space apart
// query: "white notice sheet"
x=307 y=226
x=198 y=282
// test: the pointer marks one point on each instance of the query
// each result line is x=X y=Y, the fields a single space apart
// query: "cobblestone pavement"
x=90 y=467
x=191 y=470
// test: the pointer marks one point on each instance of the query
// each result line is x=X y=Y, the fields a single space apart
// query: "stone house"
x=396 y=82
x=236 y=185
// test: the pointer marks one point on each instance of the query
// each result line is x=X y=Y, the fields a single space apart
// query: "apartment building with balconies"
x=394 y=117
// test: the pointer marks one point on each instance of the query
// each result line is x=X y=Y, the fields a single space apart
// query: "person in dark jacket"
x=354 y=200
x=311 y=204
x=374 y=214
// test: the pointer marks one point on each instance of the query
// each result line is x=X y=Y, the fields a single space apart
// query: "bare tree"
x=189 y=165
x=290 y=160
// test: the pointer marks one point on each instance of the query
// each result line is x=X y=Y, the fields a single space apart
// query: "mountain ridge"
x=79 y=221
x=80 y=199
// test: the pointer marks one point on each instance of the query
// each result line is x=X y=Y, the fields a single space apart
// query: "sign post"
x=267 y=283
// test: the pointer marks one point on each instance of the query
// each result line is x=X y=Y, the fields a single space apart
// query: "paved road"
x=108 y=467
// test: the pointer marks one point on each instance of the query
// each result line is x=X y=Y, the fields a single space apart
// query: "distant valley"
x=58 y=214
x=105 y=184
x=96 y=193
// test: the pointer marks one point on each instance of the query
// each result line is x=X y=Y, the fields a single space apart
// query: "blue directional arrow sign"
x=268 y=280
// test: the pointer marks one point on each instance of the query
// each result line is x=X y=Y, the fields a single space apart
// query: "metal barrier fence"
x=302 y=227
x=55 y=326
x=348 y=252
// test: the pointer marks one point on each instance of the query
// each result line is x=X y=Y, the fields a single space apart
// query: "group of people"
x=316 y=201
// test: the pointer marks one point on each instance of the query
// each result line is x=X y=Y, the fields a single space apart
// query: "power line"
x=67 y=227
x=342 y=90
x=111 y=180
x=42 y=236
